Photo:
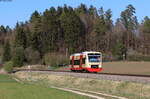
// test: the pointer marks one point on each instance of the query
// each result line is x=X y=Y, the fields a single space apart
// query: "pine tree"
x=109 y=29
x=36 y=35
x=51 y=28
x=82 y=9
x=93 y=11
x=18 y=56
x=20 y=36
x=3 y=32
x=145 y=36
x=100 y=31
x=72 y=28
x=7 y=52
x=119 y=51
x=28 y=35
x=2 y=29
x=130 y=23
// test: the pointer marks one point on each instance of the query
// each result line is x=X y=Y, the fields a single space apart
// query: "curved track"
x=100 y=76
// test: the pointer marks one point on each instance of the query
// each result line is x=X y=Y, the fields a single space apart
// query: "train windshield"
x=94 y=57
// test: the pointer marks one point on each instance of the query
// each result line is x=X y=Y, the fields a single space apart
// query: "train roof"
x=76 y=54
x=86 y=52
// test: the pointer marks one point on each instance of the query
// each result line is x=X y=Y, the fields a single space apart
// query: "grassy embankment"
x=10 y=89
x=125 y=89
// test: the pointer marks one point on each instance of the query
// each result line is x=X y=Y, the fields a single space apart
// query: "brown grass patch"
x=127 y=67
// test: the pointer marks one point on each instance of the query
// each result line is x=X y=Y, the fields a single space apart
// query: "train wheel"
x=95 y=72
x=86 y=71
x=73 y=70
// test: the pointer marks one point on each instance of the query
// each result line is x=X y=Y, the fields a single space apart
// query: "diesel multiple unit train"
x=89 y=61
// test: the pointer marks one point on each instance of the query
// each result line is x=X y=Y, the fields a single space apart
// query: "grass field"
x=129 y=90
x=127 y=67
x=10 y=89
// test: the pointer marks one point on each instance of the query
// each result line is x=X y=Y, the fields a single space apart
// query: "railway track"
x=100 y=76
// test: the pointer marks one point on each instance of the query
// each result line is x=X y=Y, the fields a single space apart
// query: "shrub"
x=119 y=51
x=1 y=53
x=18 y=57
x=32 y=57
x=107 y=57
x=55 y=59
x=8 y=66
x=7 y=52
x=138 y=58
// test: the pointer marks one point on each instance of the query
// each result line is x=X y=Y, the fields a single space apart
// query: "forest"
x=58 y=32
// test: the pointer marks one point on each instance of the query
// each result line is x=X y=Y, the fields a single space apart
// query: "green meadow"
x=11 y=89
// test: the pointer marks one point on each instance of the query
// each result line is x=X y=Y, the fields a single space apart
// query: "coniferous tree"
x=20 y=36
x=145 y=36
x=82 y=9
x=36 y=35
x=130 y=23
x=109 y=29
x=28 y=35
x=2 y=34
x=93 y=11
x=119 y=51
x=78 y=29
x=18 y=56
x=71 y=25
x=100 y=31
x=51 y=28
x=7 y=52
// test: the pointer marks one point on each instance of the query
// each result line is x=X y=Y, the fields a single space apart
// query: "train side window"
x=70 y=62
x=76 y=62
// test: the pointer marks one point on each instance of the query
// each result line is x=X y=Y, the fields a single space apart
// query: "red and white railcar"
x=86 y=61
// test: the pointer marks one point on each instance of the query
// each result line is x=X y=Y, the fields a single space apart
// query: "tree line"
x=68 y=30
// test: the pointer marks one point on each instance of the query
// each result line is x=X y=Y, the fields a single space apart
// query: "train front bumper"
x=94 y=69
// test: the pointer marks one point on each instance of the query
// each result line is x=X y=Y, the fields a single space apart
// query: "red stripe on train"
x=88 y=69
